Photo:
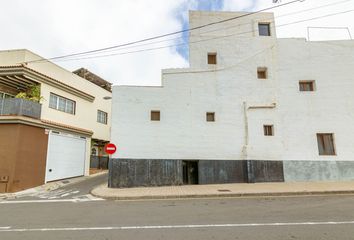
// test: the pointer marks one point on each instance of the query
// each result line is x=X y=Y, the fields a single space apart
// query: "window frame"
x=266 y=128
x=210 y=114
x=152 y=118
x=261 y=70
x=105 y=117
x=214 y=55
x=332 y=141
x=269 y=33
x=66 y=100
x=312 y=85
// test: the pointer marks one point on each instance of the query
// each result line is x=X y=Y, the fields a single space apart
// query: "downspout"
x=245 y=146
x=249 y=168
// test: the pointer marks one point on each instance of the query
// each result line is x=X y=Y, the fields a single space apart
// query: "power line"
x=203 y=40
x=287 y=14
x=242 y=24
x=168 y=34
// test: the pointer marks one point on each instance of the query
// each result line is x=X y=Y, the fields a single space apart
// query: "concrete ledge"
x=224 y=190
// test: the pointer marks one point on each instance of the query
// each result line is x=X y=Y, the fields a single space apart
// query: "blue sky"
x=212 y=5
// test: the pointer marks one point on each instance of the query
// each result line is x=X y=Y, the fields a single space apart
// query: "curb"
x=224 y=195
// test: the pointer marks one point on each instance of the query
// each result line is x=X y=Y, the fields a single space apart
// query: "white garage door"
x=65 y=157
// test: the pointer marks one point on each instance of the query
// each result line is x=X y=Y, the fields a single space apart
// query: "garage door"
x=65 y=157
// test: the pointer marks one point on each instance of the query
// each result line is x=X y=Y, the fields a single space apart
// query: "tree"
x=33 y=93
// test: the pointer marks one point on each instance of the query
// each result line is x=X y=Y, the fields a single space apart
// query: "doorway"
x=190 y=172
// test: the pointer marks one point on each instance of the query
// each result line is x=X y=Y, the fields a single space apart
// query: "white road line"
x=5 y=228
x=52 y=201
x=176 y=226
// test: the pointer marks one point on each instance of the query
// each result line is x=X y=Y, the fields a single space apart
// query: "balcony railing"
x=20 y=107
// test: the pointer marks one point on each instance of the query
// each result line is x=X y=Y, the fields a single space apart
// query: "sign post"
x=110 y=148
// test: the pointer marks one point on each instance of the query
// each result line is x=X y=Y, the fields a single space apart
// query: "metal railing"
x=20 y=107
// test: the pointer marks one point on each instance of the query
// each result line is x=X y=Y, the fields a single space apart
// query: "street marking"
x=4 y=228
x=176 y=226
x=74 y=200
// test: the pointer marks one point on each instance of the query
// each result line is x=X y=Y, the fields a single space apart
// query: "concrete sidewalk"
x=49 y=186
x=224 y=190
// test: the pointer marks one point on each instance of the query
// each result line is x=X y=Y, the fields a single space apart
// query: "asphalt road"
x=322 y=217
x=76 y=190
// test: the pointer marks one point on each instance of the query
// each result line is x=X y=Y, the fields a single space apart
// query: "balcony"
x=20 y=107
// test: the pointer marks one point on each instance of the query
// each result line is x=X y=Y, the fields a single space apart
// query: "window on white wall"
x=262 y=73
x=210 y=117
x=62 y=104
x=211 y=58
x=307 y=86
x=268 y=130
x=102 y=117
x=155 y=115
x=264 y=29
x=325 y=143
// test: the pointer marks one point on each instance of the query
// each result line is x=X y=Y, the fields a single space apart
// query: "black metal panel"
x=157 y=172
x=144 y=172
x=266 y=171
x=222 y=171
x=99 y=162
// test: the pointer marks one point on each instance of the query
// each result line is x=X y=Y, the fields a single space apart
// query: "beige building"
x=55 y=138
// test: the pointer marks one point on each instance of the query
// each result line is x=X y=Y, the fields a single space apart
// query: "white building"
x=53 y=139
x=250 y=108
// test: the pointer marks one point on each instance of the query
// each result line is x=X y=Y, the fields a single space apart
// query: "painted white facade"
x=242 y=103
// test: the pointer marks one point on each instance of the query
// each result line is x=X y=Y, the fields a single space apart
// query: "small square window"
x=307 y=86
x=210 y=117
x=155 y=115
x=268 y=130
x=262 y=73
x=211 y=58
x=325 y=143
x=264 y=29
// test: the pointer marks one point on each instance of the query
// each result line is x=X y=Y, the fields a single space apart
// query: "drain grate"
x=224 y=190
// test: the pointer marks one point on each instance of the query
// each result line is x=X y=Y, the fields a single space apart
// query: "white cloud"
x=239 y=5
x=52 y=28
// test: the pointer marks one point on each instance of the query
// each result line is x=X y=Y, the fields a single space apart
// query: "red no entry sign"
x=110 y=148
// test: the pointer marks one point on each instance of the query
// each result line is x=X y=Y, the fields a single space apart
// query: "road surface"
x=316 y=217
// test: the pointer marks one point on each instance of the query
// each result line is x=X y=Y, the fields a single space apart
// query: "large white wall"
x=329 y=109
x=232 y=86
